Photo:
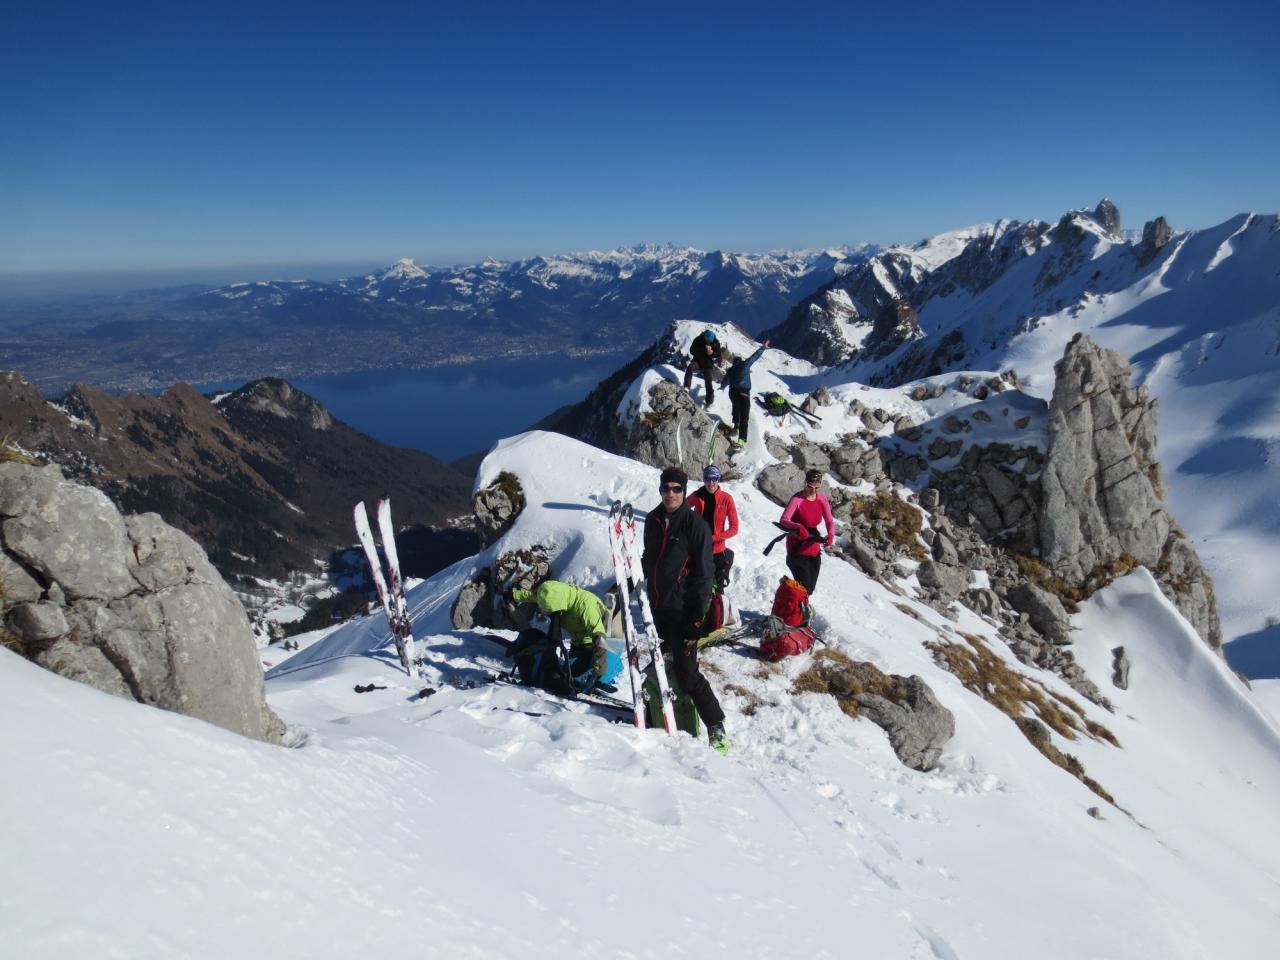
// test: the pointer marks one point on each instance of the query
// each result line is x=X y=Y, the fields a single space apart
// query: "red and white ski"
x=390 y=588
x=624 y=600
x=624 y=529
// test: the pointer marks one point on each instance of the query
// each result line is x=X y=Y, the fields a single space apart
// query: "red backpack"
x=787 y=632
x=791 y=603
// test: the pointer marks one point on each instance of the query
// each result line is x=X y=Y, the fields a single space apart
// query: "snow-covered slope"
x=490 y=821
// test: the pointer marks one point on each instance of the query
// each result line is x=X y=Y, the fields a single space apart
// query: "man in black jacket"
x=679 y=572
x=704 y=355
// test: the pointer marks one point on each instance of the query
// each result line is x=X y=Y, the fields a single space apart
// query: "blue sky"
x=140 y=137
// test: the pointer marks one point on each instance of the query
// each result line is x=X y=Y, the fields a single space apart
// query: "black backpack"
x=538 y=663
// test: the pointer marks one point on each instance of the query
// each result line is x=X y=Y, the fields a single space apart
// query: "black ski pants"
x=708 y=369
x=805 y=570
x=740 y=400
x=682 y=655
x=723 y=564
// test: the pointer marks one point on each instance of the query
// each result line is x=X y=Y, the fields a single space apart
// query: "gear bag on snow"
x=787 y=632
x=538 y=664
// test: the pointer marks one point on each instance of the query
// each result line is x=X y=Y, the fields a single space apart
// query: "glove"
x=599 y=655
x=693 y=629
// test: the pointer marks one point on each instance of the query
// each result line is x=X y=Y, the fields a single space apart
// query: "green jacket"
x=581 y=613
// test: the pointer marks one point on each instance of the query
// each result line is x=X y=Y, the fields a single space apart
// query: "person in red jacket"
x=804 y=545
x=716 y=506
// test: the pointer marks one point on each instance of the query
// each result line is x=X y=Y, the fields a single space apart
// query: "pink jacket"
x=807 y=512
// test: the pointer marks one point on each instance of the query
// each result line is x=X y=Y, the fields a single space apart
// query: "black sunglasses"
x=671 y=488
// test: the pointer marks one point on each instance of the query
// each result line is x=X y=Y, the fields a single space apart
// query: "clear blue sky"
x=178 y=136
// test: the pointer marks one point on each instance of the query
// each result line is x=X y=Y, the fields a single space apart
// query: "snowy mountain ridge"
x=1197 y=313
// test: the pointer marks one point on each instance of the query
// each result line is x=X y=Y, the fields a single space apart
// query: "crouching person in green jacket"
x=580 y=614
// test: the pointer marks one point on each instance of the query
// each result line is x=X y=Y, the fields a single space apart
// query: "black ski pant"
x=740 y=400
x=805 y=570
x=723 y=563
x=682 y=657
x=707 y=369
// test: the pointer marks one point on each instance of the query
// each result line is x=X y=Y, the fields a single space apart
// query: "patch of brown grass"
x=1013 y=694
x=891 y=519
x=844 y=678
x=11 y=454
x=1035 y=571
x=750 y=702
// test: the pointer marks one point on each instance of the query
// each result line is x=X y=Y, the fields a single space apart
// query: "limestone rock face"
x=676 y=432
x=68 y=533
x=1101 y=487
x=128 y=605
x=497 y=506
x=1156 y=235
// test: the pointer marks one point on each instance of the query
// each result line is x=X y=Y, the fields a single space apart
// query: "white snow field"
x=497 y=822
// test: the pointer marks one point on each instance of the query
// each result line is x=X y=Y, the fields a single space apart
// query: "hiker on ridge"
x=704 y=354
x=738 y=379
x=804 y=544
x=678 y=570
x=716 y=506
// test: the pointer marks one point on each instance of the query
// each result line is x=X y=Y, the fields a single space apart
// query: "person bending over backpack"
x=678 y=570
x=716 y=506
x=581 y=614
x=704 y=354
x=804 y=545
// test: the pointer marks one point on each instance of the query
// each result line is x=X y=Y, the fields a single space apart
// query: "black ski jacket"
x=698 y=350
x=677 y=563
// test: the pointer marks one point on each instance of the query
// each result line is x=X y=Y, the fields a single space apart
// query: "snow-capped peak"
x=404 y=269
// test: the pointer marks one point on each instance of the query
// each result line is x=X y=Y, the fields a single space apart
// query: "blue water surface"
x=453 y=411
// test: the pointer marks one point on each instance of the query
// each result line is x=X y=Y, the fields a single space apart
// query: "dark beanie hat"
x=674 y=475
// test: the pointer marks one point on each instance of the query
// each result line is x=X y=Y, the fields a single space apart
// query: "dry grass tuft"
x=1013 y=693
x=844 y=678
x=1035 y=571
x=891 y=519
x=750 y=702
x=11 y=454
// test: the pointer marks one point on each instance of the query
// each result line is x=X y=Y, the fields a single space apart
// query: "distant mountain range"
x=407 y=316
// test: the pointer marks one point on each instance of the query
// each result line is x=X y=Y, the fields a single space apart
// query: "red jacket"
x=722 y=519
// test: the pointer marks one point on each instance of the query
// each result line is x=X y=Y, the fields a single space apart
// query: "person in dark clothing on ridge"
x=704 y=355
x=678 y=570
x=738 y=379
x=717 y=507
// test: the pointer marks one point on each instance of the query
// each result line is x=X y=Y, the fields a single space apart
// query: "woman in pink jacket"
x=804 y=545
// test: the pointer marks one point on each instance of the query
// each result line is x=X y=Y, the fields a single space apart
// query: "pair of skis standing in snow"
x=390 y=587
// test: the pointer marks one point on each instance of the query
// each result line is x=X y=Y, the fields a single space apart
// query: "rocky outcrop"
x=479 y=602
x=674 y=432
x=918 y=726
x=497 y=506
x=1102 y=495
x=1156 y=235
x=127 y=605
